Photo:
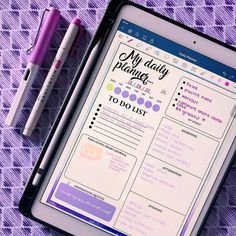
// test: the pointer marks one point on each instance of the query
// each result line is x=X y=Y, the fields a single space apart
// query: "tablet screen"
x=150 y=138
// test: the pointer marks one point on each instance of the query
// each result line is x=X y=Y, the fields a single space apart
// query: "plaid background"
x=19 y=20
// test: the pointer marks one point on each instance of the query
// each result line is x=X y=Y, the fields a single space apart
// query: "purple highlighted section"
x=125 y=94
x=140 y=101
x=85 y=202
x=156 y=107
x=132 y=97
x=148 y=104
x=117 y=90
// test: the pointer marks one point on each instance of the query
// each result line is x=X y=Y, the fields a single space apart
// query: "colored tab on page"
x=85 y=202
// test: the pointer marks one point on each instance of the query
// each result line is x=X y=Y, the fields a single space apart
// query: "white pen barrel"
x=31 y=123
x=41 y=100
x=21 y=94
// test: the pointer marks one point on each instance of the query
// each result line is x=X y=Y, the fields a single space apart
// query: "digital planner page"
x=148 y=135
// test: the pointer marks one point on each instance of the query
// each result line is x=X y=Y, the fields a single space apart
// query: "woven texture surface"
x=19 y=20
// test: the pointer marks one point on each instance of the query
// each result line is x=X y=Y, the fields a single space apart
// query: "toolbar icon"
x=137 y=34
x=139 y=45
x=148 y=48
x=212 y=77
x=157 y=52
x=151 y=41
x=175 y=60
x=185 y=65
x=130 y=31
x=144 y=37
x=166 y=56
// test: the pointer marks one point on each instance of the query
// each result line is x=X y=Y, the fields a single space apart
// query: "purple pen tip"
x=55 y=10
x=76 y=21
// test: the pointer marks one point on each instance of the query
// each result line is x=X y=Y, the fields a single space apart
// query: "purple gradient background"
x=19 y=20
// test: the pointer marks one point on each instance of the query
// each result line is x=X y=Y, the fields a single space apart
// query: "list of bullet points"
x=176 y=99
x=94 y=118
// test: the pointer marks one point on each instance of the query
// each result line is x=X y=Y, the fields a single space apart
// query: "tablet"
x=151 y=138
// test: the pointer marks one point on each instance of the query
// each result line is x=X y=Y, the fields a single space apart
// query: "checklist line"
x=121 y=122
x=119 y=127
x=115 y=135
x=115 y=139
x=119 y=131
x=124 y=117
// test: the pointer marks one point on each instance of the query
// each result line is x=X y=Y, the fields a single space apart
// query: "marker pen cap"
x=45 y=36
x=76 y=22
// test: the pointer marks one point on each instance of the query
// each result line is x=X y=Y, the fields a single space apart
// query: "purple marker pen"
x=67 y=44
x=34 y=63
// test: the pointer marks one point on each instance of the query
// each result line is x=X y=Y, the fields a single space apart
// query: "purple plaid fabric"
x=19 y=20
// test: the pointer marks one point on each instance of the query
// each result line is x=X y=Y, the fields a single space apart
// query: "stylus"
x=67 y=44
x=82 y=78
x=34 y=63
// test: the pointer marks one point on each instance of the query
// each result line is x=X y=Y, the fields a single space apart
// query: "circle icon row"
x=133 y=97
